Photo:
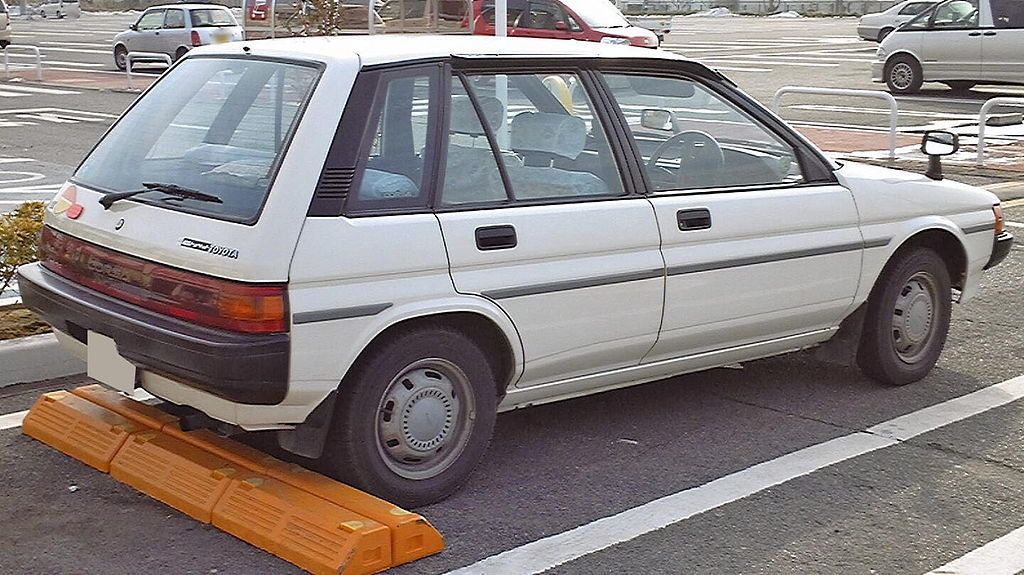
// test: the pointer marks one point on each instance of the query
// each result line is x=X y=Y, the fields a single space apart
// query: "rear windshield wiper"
x=175 y=190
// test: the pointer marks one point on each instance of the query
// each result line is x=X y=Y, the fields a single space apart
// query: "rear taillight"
x=200 y=299
x=196 y=41
x=998 y=211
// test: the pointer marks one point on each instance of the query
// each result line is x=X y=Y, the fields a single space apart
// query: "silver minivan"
x=174 y=29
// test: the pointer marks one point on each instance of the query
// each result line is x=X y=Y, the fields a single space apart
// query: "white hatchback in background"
x=878 y=25
x=371 y=245
x=960 y=43
x=5 y=26
x=60 y=9
x=174 y=29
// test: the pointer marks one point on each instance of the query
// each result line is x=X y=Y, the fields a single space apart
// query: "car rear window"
x=215 y=125
x=212 y=17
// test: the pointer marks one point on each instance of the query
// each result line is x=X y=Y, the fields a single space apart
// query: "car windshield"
x=598 y=13
x=212 y=17
x=215 y=125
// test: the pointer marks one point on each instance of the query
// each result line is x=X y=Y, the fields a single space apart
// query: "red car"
x=590 y=20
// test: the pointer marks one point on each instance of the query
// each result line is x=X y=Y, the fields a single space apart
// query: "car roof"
x=381 y=49
x=189 y=6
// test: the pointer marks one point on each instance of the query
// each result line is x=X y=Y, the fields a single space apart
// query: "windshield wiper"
x=175 y=190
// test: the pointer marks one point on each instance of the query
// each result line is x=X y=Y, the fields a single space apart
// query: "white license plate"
x=107 y=366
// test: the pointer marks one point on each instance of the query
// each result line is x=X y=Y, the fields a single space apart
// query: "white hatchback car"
x=5 y=26
x=959 y=43
x=60 y=9
x=880 y=24
x=174 y=29
x=373 y=244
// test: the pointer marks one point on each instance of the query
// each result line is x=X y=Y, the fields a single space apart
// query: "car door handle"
x=975 y=34
x=689 y=220
x=496 y=238
x=990 y=33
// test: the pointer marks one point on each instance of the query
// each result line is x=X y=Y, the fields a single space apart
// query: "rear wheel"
x=180 y=53
x=903 y=75
x=907 y=318
x=883 y=33
x=414 y=417
x=120 y=57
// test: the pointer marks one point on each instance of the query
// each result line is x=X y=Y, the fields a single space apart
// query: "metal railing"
x=34 y=49
x=983 y=119
x=893 y=105
x=132 y=57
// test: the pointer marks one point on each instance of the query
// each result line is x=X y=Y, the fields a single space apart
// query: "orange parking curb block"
x=179 y=474
x=412 y=536
x=303 y=517
x=139 y=412
x=83 y=430
x=301 y=528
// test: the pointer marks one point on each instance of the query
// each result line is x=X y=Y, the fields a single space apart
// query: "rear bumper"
x=241 y=368
x=1000 y=248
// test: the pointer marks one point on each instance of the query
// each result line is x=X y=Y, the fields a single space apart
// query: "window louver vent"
x=335 y=182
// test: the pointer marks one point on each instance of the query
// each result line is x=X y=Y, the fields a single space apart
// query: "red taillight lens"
x=195 y=39
x=998 y=211
x=204 y=300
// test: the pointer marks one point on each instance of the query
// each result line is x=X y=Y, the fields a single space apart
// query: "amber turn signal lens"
x=998 y=211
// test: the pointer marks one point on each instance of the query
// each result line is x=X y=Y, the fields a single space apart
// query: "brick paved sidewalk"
x=93 y=79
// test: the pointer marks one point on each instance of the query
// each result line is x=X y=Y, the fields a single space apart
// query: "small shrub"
x=19 y=234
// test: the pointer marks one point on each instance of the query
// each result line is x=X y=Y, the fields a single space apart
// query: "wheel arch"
x=942 y=237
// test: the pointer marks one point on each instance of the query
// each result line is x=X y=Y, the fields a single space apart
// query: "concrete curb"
x=35 y=358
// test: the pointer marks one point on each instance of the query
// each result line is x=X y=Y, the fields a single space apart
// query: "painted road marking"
x=556 y=550
x=1002 y=556
x=12 y=420
x=1013 y=224
x=35 y=90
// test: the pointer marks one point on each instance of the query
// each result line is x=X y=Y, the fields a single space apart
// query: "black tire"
x=914 y=287
x=883 y=33
x=961 y=85
x=180 y=53
x=369 y=409
x=120 y=56
x=4 y=44
x=903 y=74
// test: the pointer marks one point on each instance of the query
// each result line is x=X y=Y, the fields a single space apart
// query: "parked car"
x=372 y=249
x=5 y=25
x=589 y=20
x=174 y=29
x=878 y=25
x=960 y=43
x=59 y=9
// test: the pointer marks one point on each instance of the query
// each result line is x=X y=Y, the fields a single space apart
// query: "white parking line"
x=1013 y=224
x=1003 y=556
x=556 y=550
x=35 y=90
x=12 y=420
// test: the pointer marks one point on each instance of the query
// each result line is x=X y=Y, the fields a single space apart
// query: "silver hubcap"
x=913 y=321
x=425 y=418
x=902 y=75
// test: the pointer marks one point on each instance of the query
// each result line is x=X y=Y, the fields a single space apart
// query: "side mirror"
x=657 y=119
x=935 y=144
x=134 y=27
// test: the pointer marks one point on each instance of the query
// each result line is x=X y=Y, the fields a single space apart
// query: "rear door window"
x=215 y=125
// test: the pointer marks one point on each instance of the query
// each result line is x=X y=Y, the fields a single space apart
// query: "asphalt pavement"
x=910 y=507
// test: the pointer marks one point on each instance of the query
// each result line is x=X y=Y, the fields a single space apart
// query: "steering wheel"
x=701 y=161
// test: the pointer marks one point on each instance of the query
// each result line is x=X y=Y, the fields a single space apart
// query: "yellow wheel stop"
x=83 y=430
x=310 y=520
x=301 y=528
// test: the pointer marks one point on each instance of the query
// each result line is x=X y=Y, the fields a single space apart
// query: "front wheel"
x=120 y=57
x=414 y=417
x=907 y=318
x=903 y=75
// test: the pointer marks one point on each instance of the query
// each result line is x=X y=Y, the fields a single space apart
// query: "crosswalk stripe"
x=35 y=90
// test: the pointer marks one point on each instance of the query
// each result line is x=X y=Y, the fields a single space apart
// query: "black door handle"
x=698 y=219
x=990 y=33
x=496 y=238
x=975 y=34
